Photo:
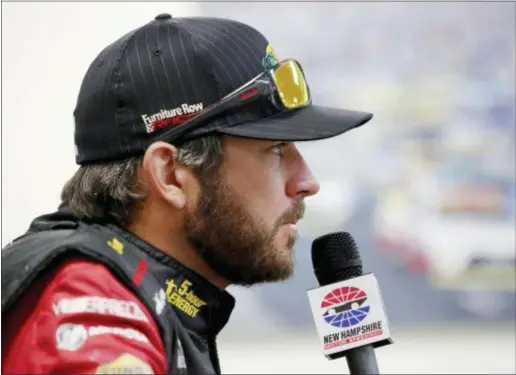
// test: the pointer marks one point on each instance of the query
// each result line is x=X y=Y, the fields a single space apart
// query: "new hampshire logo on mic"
x=345 y=307
x=349 y=314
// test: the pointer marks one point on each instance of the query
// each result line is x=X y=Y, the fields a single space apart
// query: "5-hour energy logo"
x=184 y=298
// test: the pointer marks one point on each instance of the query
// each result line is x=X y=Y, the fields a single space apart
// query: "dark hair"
x=108 y=191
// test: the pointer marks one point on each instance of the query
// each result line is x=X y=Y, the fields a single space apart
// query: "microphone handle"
x=362 y=361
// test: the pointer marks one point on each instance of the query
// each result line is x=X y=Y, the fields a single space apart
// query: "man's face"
x=244 y=221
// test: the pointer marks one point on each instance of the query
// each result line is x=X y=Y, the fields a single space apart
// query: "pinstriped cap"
x=167 y=71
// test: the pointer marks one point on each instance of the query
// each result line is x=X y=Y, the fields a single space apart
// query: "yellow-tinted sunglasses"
x=285 y=84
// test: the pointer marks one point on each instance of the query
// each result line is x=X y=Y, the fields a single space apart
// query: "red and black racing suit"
x=82 y=298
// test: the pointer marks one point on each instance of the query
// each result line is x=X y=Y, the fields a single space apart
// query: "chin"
x=286 y=236
x=284 y=254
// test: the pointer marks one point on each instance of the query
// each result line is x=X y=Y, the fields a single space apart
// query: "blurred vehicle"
x=454 y=226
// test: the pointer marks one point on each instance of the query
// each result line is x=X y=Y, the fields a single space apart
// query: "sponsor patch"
x=174 y=116
x=116 y=245
x=181 y=361
x=160 y=299
x=129 y=333
x=70 y=337
x=101 y=306
x=125 y=364
x=184 y=298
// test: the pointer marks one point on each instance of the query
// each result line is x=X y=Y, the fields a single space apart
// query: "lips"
x=296 y=220
x=293 y=215
x=293 y=221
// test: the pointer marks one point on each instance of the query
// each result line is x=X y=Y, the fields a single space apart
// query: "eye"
x=279 y=148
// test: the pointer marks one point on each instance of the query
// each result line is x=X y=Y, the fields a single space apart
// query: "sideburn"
x=229 y=240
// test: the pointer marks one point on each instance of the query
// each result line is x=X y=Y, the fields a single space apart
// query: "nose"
x=302 y=183
x=309 y=185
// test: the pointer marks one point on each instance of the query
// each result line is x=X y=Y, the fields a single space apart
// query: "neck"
x=178 y=247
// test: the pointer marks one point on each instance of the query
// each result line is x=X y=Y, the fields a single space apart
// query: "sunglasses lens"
x=291 y=84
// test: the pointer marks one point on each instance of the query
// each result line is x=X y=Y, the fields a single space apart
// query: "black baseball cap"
x=173 y=68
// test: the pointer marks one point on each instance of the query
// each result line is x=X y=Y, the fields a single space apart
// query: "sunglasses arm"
x=258 y=88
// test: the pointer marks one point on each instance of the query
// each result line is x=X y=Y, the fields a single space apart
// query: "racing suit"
x=82 y=298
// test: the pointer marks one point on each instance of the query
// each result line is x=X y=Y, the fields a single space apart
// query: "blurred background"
x=427 y=188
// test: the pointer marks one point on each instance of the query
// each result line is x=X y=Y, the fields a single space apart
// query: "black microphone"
x=336 y=259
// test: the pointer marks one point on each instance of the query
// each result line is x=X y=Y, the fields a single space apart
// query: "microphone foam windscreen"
x=335 y=257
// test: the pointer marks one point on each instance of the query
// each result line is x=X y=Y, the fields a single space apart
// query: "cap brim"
x=306 y=124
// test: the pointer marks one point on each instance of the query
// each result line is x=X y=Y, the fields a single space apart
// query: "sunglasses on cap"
x=285 y=85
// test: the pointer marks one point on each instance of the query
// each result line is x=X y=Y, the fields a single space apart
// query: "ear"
x=164 y=175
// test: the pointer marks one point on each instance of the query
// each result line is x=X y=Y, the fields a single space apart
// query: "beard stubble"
x=236 y=246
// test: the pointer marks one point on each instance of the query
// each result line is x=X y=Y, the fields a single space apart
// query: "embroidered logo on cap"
x=174 y=116
x=270 y=59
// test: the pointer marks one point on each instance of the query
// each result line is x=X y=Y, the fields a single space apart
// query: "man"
x=189 y=181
